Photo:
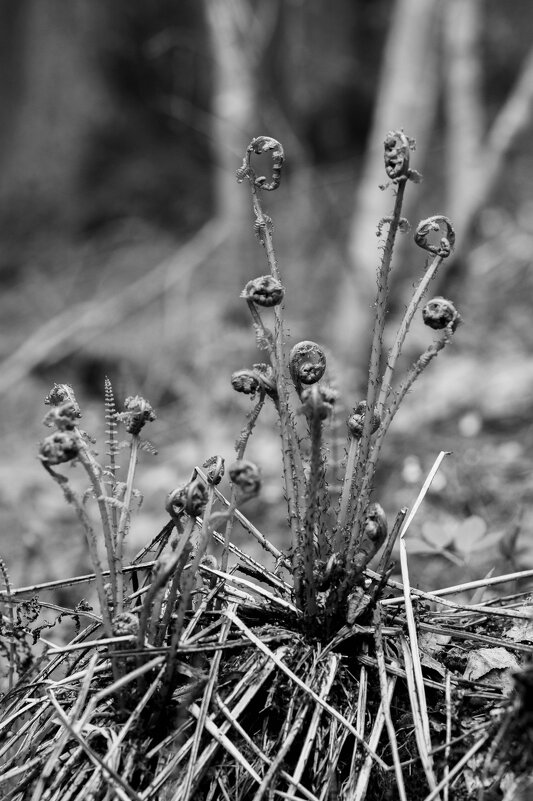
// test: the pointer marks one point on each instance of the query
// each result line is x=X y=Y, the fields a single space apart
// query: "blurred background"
x=125 y=242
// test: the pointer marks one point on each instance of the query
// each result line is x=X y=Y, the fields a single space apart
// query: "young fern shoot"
x=328 y=565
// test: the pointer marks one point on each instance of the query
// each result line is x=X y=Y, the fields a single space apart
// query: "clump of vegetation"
x=199 y=679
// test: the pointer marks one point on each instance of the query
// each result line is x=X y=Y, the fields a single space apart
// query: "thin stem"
x=402 y=332
x=124 y=522
x=293 y=475
x=9 y=602
x=244 y=436
x=383 y=685
x=261 y=330
x=417 y=368
x=351 y=532
x=92 y=544
x=379 y=322
x=94 y=471
x=241 y=444
x=229 y=529
x=346 y=495
x=187 y=586
x=159 y=580
x=391 y=539
x=312 y=509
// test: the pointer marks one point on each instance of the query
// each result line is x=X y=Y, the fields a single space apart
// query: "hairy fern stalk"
x=319 y=679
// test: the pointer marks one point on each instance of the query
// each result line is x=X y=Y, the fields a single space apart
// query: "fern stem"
x=92 y=544
x=94 y=471
x=187 y=586
x=402 y=333
x=158 y=581
x=350 y=531
x=316 y=478
x=347 y=485
x=421 y=363
x=124 y=522
x=9 y=598
x=293 y=474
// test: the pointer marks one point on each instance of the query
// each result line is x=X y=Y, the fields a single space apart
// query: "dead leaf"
x=522 y=630
x=493 y=665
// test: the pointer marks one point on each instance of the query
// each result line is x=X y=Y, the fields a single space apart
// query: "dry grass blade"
x=327 y=682
x=223 y=740
x=382 y=673
x=273 y=599
x=296 y=679
x=287 y=741
x=53 y=759
x=263 y=757
x=434 y=597
x=245 y=523
x=20 y=713
x=206 y=701
x=251 y=683
x=134 y=717
x=361 y=787
x=422 y=494
x=362 y=698
x=248 y=561
x=448 y=686
x=85 y=646
x=15 y=772
x=420 y=714
x=418 y=696
x=486 y=582
x=457 y=768
x=121 y=788
x=71 y=582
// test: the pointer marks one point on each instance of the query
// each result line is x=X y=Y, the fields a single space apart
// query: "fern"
x=112 y=447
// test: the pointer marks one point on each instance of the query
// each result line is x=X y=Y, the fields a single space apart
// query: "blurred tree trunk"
x=475 y=160
x=465 y=123
x=51 y=98
x=406 y=98
x=234 y=118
